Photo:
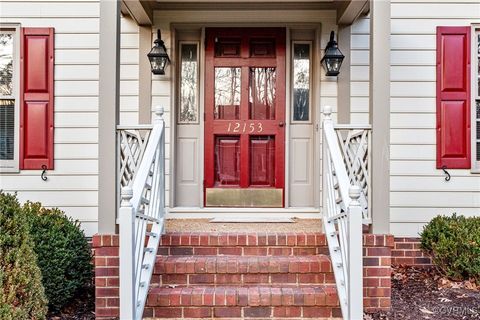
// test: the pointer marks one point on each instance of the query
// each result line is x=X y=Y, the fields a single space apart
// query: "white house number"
x=238 y=127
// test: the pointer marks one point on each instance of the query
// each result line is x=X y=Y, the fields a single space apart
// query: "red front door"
x=245 y=117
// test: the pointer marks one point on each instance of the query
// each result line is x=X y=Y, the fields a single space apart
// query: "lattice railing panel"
x=132 y=142
x=355 y=145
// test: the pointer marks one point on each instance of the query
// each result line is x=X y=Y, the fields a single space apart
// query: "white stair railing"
x=141 y=220
x=342 y=220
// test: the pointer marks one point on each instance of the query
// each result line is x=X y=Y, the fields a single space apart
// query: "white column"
x=109 y=85
x=380 y=114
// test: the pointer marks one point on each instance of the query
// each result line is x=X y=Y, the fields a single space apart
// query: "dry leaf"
x=425 y=310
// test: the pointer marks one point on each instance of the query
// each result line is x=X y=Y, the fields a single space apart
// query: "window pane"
x=227 y=160
x=188 y=83
x=262 y=93
x=262 y=160
x=227 y=93
x=7 y=128
x=301 y=82
x=6 y=64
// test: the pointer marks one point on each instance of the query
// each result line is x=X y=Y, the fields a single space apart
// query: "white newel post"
x=327 y=118
x=355 y=255
x=127 y=248
x=159 y=111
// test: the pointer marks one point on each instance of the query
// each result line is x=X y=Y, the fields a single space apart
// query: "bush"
x=454 y=244
x=64 y=255
x=21 y=292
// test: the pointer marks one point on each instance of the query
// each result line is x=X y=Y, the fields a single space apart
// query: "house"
x=242 y=134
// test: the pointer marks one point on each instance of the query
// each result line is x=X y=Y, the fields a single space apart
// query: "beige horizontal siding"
x=73 y=185
x=419 y=190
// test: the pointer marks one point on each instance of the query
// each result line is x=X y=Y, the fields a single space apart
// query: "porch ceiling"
x=142 y=10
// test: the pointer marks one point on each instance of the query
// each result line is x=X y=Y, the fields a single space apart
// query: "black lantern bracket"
x=333 y=57
x=158 y=56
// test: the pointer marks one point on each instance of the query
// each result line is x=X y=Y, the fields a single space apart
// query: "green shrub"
x=454 y=244
x=64 y=255
x=21 y=292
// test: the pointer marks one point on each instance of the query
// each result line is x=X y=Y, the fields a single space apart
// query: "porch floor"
x=204 y=225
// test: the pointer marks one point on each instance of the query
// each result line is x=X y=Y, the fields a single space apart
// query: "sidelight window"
x=301 y=81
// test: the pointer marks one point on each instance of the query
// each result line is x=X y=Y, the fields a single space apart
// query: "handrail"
x=141 y=219
x=342 y=221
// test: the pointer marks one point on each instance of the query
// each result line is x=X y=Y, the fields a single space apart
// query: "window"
x=9 y=99
x=301 y=81
x=188 y=86
x=476 y=100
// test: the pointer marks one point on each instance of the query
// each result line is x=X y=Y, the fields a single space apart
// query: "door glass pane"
x=188 y=83
x=227 y=93
x=301 y=81
x=6 y=64
x=262 y=161
x=227 y=160
x=262 y=93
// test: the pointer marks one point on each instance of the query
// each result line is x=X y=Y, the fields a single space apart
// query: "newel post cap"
x=354 y=194
x=327 y=112
x=159 y=111
x=126 y=195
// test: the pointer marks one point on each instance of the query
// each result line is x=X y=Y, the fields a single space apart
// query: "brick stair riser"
x=243 y=297
x=256 y=302
x=277 y=312
x=239 y=270
x=244 y=239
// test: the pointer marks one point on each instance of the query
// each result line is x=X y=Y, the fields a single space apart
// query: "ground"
x=81 y=308
x=423 y=294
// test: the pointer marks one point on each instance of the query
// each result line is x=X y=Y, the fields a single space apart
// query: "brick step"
x=242 y=270
x=243 y=243
x=240 y=302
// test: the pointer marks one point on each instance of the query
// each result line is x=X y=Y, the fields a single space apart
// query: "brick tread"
x=319 y=295
x=242 y=264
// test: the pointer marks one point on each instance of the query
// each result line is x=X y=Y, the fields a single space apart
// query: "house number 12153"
x=237 y=127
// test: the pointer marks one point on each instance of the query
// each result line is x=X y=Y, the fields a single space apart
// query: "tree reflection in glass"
x=227 y=93
x=262 y=93
x=6 y=64
x=188 y=83
x=301 y=81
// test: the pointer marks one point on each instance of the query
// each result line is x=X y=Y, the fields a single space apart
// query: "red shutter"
x=453 y=97
x=36 y=89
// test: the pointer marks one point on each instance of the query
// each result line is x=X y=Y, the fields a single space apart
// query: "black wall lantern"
x=158 y=56
x=333 y=58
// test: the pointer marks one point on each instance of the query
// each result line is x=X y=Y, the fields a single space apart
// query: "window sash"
x=12 y=165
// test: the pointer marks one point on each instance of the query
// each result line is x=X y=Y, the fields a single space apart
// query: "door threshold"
x=243 y=213
x=251 y=220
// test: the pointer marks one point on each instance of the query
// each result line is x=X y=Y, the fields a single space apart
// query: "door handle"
x=281 y=124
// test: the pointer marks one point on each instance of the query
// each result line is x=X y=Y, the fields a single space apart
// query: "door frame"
x=316 y=112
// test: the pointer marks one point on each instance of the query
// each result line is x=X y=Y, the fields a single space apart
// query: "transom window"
x=9 y=87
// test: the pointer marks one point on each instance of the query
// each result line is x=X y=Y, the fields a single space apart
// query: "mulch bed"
x=81 y=308
x=423 y=294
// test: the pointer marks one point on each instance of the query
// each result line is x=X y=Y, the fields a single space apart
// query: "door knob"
x=281 y=124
